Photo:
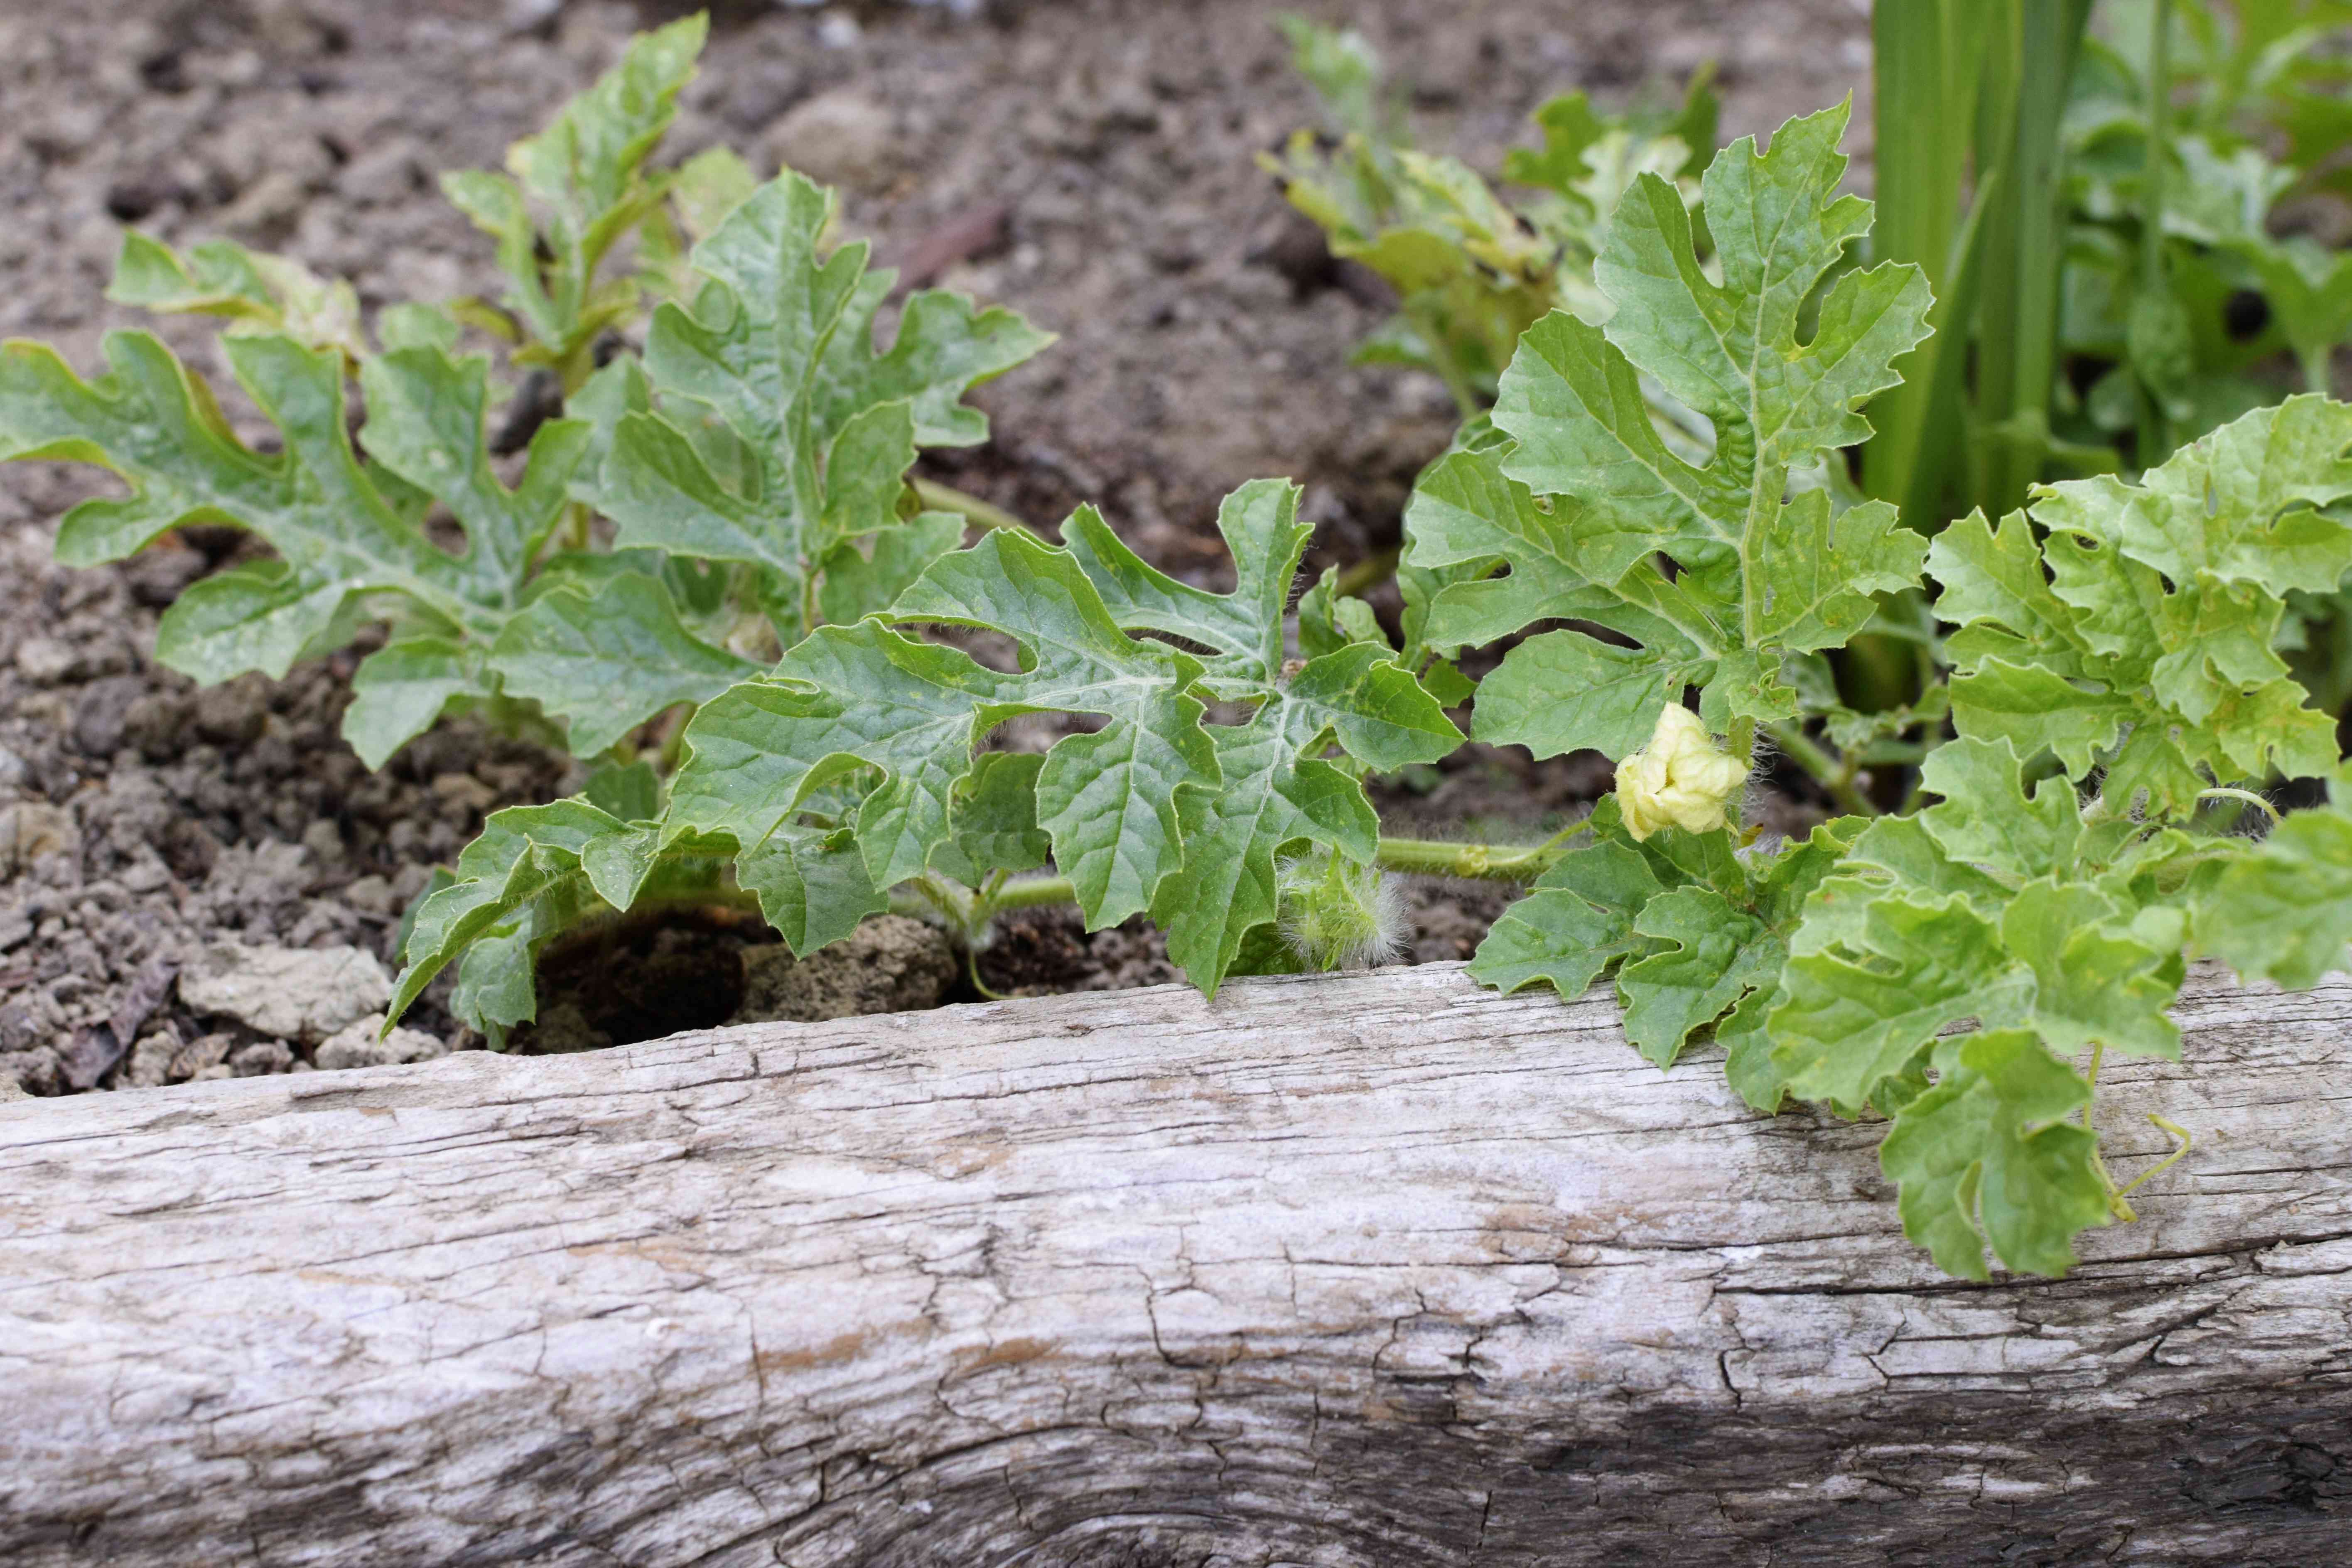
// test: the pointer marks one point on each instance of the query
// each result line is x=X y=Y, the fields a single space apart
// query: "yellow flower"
x=1680 y=779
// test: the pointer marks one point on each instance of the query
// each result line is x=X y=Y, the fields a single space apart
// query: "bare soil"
x=1088 y=162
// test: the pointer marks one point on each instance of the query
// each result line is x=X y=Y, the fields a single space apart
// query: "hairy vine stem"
x=969 y=908
x=2243 y=797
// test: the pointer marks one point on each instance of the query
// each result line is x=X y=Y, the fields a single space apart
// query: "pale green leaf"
x=709 y=185
x=811 y=883
x=1560 y=690
x=1988 y=1156
x=992 y=820
x=864 y=577
x=1269 y=798
x=349 y=533
x=1814 y=574
x=2096 y=981
x=1554 y=937
x=256 y=292
x=260 y=615
x=2149 y=644
x=865 y=470
x=1261 y=528
x=1329 y=620
x=1570 y=126
x=610 y=661
x=498 y=980
x=847 y=696
x=1746 y=1043
x=577 y=187
x=1985 y=817
x=525 y=857
x=2282 y=909
x=944 y=347
x=1707 y=954
x=1108 y=799
x=632 y=792
x=532 y=873
x=1846 y=1025
x=401 y=689
x=781 y=434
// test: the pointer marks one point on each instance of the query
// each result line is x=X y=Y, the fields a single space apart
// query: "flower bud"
x=1337 y=914
x=1681 y=778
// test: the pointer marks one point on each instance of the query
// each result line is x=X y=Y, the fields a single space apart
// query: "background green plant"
x=1471 y=270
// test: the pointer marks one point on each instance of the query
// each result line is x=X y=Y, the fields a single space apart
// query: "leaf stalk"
x=1837 y=777
x=975 y=510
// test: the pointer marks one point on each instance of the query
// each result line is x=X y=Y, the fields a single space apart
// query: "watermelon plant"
x=2107 y=696
x=1654 y=518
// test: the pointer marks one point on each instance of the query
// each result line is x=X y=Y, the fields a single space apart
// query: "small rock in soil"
x=288 y=993
x=357 y=1046
x=889 y=964
x=261 y=1059
x=840 y=138
x=31 y=830
x=45 y=661
x=205 y=1057
x=32 y=1072
x=31 y=1021
x=92 y=1056
x=151 y=1060
x=10 y=1090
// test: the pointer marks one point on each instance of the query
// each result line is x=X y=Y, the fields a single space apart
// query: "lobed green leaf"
x=1714 y=572
x=2142 y=636
x=773 y=433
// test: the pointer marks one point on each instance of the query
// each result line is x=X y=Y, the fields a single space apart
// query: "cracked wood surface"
x=1378 y=1270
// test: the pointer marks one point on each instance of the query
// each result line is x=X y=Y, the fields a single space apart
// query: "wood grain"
x=1377 y=1270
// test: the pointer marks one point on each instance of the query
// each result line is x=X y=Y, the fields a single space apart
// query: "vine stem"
x=1466 y=399
x=2119 y=1198
x=2244 y=796
x=1472 y=862
x=1414 y=856
x=1830 y=774
x=673 y=737
x=969 y=908
x=975 y=510
x=1367 y=574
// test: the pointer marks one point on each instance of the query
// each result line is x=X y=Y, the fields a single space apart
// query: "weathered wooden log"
x=1374 y=1270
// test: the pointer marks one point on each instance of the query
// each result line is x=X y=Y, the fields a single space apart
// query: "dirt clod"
x=889 y=964
x=357 y=1045
x=289 y=994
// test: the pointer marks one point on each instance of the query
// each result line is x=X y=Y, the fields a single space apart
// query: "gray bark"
x=1375 y=1271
